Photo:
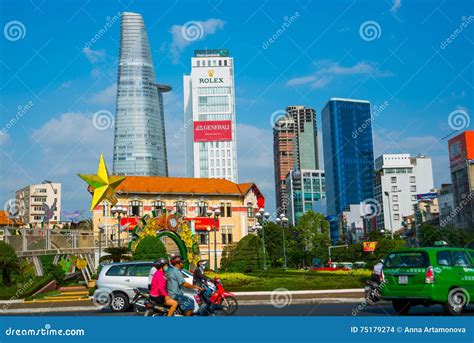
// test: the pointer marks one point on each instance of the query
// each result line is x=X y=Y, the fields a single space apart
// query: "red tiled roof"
x=5 y=220
x=182 y=185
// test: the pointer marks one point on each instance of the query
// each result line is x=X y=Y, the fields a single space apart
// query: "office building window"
x=135 y=208
x=250 y=213
x=229 y=210
x=394 y=198
x=180 y=207
x=222 y=209
x=396 y=216
x=395 y=207
x=226 y=235
x=412 y=188
x=394 y=179
x=412 y=179
x=413 y=198
x=203 y=238
x=394 y=188
x=158 y=206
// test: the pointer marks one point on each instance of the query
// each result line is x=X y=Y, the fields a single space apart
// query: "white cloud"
x=396 y=4
x=95 y=56
x=328 y=71
x=106 y=96
x=190 y=32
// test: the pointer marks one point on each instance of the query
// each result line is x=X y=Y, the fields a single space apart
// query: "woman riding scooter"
x=158 y=291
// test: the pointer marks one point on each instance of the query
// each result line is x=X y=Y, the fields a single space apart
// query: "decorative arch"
x=183 y=251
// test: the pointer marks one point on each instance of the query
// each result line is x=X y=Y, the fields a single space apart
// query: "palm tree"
x=116 y=254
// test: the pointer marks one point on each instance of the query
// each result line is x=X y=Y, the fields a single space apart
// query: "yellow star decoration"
x=103 y=184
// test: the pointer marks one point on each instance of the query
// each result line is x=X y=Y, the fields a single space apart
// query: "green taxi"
x=427 y=276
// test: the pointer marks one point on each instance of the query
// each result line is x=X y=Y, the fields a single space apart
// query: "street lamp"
x=209 y=245
x=101 y=231
x=120 y=211
x=215 y=213
x=261 y=216
x=282 y=220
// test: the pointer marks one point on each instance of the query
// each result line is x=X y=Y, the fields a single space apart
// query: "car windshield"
x=415 y=259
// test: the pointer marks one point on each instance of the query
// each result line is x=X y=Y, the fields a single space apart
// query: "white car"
x=116 y=282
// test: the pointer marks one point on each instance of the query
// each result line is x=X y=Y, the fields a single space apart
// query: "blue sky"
x=392 y=52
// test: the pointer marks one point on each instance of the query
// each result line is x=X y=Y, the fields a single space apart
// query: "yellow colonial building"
x=193 y=199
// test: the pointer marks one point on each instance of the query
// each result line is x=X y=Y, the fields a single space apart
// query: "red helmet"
x=176 y=259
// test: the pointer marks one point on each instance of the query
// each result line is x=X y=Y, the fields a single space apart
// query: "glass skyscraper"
x=348 y=153
x=140 y=144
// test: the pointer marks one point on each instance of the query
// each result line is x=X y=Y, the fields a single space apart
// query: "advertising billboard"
x=212 y=77
x=461 y=148
x=426 y=196
x=212 y=131
x=369 y=246
x=203 y=223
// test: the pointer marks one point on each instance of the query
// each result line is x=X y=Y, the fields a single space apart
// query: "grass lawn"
x=293 y=280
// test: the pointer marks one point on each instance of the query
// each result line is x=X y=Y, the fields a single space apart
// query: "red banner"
x=129 y=223
x=202 y=223
x=212 y=131
x=370 y=246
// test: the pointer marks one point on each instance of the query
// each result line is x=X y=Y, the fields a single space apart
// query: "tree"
x=273 y=244
x=8 y=262
x=149 y=248
x=245 y=256
x=116 y=254
x=429 y=234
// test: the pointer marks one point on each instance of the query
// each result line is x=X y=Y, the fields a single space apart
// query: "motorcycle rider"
x=199 y=277
x=175 y=283
x=158 y=291
x=377 y=271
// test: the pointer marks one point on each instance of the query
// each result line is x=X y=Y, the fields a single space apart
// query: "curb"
x=309 y=292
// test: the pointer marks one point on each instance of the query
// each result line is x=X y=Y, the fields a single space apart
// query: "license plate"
x=403 y=279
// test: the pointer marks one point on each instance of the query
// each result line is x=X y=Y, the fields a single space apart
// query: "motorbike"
x=372 y=292
x=222 y=297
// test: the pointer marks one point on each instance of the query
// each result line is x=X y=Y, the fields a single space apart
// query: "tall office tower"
x=461 y=161
x=140 y=144
x=295 y=147
x=348 y=155
x=209 y=108
x=398 y=180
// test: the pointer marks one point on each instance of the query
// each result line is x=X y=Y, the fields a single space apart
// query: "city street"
x=321 y=309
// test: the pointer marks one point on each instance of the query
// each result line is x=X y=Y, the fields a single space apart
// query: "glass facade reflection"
x=348 y=153
x=139 y=145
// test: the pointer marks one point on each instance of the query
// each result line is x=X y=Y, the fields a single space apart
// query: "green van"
x=426 y=276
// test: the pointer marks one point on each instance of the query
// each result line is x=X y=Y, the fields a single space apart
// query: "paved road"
x=326 y=309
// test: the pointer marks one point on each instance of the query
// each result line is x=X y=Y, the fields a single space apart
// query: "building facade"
x=348 y=155
x=295 y=147
x=190 y=199
x=210 y=116
x=461 y=161
x=304 y=189
x=399 y=178
x=34 y=201
x=139 y=141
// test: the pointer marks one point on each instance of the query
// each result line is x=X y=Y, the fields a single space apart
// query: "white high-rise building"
x=209 y=116
x=34 y=202
x=398 y=180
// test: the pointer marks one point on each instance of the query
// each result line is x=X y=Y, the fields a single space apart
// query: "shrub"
x=8 y=262
x=245 y=256
x=149 y=248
